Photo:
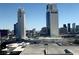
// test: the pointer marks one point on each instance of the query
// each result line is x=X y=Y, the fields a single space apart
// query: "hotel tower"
x=52 y=20
x=21 y=24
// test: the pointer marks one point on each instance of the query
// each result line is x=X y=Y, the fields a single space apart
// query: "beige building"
x=52 y=19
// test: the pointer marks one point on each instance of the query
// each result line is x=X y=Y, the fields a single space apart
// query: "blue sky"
x=36 y=15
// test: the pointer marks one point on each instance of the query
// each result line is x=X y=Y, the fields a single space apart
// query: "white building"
x=21 y=26
x=52 y=19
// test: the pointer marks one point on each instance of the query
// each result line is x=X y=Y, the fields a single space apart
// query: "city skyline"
x=35 y=12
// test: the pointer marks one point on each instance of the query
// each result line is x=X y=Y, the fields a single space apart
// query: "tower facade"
x=52 y=19
x=21 y=26
x=69 y=28
x=73 y=27
x=16 y=30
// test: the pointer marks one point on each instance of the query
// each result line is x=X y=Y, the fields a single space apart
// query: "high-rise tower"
x=52 y=19
x=21 y=26
x=73 y=28
x=69 y=28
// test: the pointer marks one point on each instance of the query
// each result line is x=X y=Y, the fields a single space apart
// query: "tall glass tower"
x=21 y=26
x=52 y=19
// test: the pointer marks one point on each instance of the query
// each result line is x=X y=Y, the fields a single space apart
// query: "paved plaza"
x=50 y=49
